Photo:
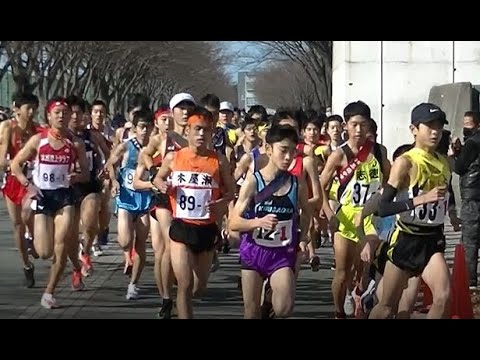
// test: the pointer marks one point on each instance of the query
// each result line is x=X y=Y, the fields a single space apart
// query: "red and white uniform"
x=12 y=189
x=52 y=167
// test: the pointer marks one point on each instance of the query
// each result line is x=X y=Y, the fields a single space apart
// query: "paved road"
x=106 y=289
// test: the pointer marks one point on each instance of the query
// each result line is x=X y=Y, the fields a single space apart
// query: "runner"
x=201 y=188
x=14 y=134
x=98 y=125
x=133 y=206
x=162 y=121
x=181 y=106
x=88 y=194
x=52 y=178
x=418 y=184
x=359 y=166
x=266 y=213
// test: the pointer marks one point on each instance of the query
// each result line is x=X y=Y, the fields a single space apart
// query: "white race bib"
x=280 y=237
x=431 y=214
x=191 y=203
x=361 y=193
x=128 y=179
x=52 y=176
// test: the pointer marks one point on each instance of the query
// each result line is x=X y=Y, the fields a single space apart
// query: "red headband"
x=52 y=104
x=194 y=118
x=161 y=112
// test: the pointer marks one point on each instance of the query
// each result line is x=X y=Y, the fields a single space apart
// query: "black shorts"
x=380 y=259
x=198 y=238
x=411 y=252
x=160 y=201
x=53 y=201
x=83 y=189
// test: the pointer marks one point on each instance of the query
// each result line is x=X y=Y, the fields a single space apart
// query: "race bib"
x=191 y=203
x=52 y=177
x=280 y=237
x=128 y=179
x=361 y=193
x=431 y=214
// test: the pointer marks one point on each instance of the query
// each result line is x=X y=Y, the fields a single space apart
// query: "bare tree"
x=285 y=84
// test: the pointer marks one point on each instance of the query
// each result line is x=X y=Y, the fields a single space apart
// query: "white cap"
x=178 y=98
x=225 y=105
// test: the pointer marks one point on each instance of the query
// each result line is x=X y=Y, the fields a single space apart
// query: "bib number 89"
x=186 y=202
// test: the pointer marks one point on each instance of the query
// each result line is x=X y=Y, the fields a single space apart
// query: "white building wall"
x=399 y=75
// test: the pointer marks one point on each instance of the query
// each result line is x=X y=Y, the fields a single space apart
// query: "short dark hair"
x=356 y=108
x=279 y=133
x=475 y=115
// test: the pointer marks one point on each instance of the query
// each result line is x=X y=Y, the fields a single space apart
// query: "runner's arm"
x=101 y=143
x=397 y=181
x=83 y=174
x=242 y=166
x=386 y=165
x=115 y=157
x=5 y=133
x=26 y=153
x=138 y=183
x=311 y=169
x=304 y=203
x=164 y=171
x=236 y=221
x=334 y=162
x=226 y=179
x=371 y=207
x=154 y=145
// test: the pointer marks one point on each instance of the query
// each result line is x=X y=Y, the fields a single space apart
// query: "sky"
x=242 y=52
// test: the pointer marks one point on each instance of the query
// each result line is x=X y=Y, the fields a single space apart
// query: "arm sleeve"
x=388 y=207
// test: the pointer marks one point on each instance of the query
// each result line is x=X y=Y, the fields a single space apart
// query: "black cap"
x=426 y=112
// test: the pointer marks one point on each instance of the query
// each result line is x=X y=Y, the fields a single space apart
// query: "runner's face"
x=76 y=118
x=142 y=131
x=27 y=112
x=311 y=134
x=58 y=117
x=357 y=127
x=226 y=116
x=334 y=130
x=250 y=132
x=98 y=115
x=163 y=122
x=199 y=133
x=181 y=112
x=282 y=153
x=428 y=134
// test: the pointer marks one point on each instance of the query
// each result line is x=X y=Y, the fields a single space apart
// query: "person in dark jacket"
x=467 y=166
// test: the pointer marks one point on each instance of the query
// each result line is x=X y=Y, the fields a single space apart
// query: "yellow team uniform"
x=418 y=233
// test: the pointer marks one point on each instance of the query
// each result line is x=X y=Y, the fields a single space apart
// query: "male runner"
x=88 y=194
x=359 y=166
x=416 y=190
x=133 y=206
x=181 y=106
x=266 y=212
x=201 y=187
x=14 y=133
x=55 y=156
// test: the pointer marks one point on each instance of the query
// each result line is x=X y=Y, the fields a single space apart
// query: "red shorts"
x=13 y=190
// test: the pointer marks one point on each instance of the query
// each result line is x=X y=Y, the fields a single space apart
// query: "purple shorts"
x=266 y=261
